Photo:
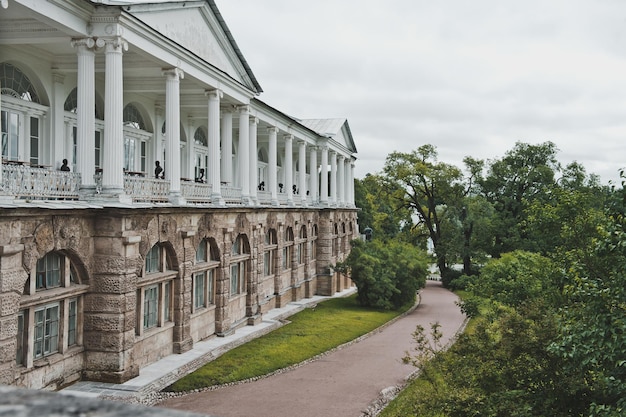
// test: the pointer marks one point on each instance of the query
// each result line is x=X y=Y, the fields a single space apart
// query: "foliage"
x=592 y=331
x=525 y=174
x=378 y=212
x=519 y=277
x=428 y=188
x=309 y=333
x=387 y=274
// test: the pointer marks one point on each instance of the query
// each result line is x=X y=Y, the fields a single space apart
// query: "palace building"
x=148 y=198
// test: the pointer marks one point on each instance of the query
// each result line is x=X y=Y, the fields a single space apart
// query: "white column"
x=333 y=177
x=302 y=171
x=190 y=151
x=172 y=132
x=287 y=169
x=227 y=147
x=254 y=180
x=273 y=166
x=341 y=170
x=244 y=153
x=313 y=174
x=346 y=189
x=351 y=200
x=324 y=176
x=113 y=154
x=85 y=117
x=213 y=174
x=57 y=146
x=157 y=149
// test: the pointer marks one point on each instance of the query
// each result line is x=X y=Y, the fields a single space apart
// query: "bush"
x=449 y=275
x=386 y=274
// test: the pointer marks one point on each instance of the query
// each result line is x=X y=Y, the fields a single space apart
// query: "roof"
x=338 y=129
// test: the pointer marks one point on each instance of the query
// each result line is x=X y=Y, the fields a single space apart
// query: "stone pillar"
x=182 y=295
x=333 y=178
x=254 y=179
x=326 y=282
x=86 y=119
x=113 y=155
x=213 y=174
x=172 y=133
x=324 y=177
x=227 y=147
x=313 y=175
x=302 y=171
x=110 y=318
x=341 y=170
x=244 y=153
x=12 y=280
x=273 y=165
x=287 y=169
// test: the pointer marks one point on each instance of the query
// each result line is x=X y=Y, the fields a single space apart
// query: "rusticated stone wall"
x=107 y=249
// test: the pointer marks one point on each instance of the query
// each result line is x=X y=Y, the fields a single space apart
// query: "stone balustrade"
x=28 y=183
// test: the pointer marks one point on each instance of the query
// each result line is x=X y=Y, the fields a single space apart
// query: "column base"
x=177 y=199
x=217 y=200
x=112 y=195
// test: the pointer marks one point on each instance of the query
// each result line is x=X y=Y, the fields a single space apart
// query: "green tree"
x=378 y=212
x=592 y=331
x=525 y=174
x=429 y=189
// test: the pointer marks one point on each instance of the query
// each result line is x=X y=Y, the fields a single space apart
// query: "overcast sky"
x=470 y=77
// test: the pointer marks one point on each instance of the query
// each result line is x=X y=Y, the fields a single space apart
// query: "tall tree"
x=429 y=189
x=525 y=174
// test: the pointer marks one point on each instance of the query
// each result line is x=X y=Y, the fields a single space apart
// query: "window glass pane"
x=152 y=259
x=198 y=288
x=201 y=252
x=4 y=116
x=39 y=333
x=234 y=279
x=236 y=244
x=143 y=157
x=167 y=303
x=51 y=340
x=211 y=286
x=72 y=321
x=48 y=274
x=13 y=135
x=150 y=307
x=34 y=140
x=19 y=351
x=97 y=148
x=266 y=263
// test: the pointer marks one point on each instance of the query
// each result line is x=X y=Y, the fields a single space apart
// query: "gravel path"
x=343 y=383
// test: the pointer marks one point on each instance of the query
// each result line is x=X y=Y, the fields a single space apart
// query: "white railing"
x=143 y=189
x=231 y=195
x=25 y=182
x=196 y=192
x=265 y=197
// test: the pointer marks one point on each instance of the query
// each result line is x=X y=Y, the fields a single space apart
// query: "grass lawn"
x=311 y=332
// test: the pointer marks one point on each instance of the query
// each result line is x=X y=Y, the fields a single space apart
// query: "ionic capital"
x=173 y=73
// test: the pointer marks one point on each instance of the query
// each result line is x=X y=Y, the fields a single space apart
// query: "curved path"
x=342 y=383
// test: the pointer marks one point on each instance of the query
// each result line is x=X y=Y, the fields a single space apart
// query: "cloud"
x=471 y=78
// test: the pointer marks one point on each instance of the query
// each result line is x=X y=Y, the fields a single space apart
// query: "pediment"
x=195 y=26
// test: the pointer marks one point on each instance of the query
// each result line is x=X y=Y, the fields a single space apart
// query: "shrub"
x=387 y=274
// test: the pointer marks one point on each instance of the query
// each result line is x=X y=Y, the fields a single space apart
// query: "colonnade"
x=339 y=192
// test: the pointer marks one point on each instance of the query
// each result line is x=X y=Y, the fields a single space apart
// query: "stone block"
x=104 y=322
x=8 y=327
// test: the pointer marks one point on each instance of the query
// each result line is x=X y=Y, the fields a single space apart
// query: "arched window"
x=300 y=254
x=48 y=322
x=16 y=84
x=205 y=274
x=240 y=256
x=20 y=115
x=269 y=256
x=155 y=292
x=314 y=243
x=287 y=248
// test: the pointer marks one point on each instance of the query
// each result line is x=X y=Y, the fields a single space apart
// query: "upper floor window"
x=204 y=275
x=269 y=255
x=16 y=84
x=287 y=248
